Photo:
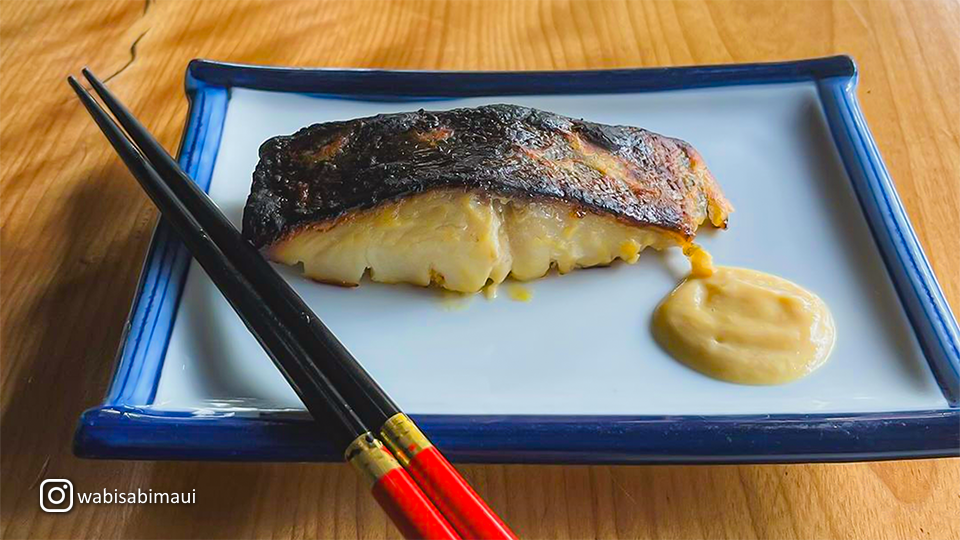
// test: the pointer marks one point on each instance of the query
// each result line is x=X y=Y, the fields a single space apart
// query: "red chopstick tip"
x=456 y=500
x=409 y=508
x=454 y=497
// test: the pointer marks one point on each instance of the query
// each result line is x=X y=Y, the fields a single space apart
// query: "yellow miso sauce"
x=515 y=291
x=519 y=293
x=743 y=326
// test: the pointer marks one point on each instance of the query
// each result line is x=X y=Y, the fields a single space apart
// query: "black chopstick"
x=311 y=384
x=456 y=499
x=406 y=504
x=373 y=405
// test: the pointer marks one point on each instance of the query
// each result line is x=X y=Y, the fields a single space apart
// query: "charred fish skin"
x=329 y=171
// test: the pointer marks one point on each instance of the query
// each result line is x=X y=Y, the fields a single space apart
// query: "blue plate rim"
x=121 y=428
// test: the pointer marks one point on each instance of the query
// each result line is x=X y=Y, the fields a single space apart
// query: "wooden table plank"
x=74 y=231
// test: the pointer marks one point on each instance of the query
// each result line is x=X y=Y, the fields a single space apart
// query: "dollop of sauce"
x=743 y=326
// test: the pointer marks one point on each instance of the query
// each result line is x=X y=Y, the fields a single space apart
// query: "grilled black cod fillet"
x=462 y=197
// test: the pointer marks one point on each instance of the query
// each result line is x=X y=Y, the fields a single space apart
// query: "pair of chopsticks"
x=420 y=491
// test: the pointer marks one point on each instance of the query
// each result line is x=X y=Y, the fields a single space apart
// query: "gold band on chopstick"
x=370 y=458
x=404 y=438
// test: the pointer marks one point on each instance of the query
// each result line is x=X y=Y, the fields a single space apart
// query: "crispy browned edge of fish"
x=683 y=228
x=717 y=212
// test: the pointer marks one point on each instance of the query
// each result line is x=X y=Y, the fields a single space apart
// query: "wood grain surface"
x=75 y=228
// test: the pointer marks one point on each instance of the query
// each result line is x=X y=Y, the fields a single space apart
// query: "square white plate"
x=579 y=354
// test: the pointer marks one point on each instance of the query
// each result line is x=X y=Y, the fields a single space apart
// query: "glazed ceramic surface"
x=581 y=347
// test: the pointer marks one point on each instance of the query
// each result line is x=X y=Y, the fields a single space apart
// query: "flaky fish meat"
x=470 y=196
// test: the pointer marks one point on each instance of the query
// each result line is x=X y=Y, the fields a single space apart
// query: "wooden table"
x=75 y=228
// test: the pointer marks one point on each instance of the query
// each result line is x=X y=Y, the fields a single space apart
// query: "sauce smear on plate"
x=743 y=326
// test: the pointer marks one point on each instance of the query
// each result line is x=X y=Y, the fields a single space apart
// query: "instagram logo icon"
x=56 y=495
